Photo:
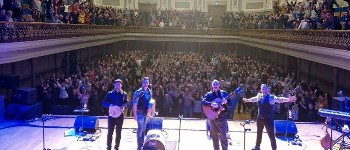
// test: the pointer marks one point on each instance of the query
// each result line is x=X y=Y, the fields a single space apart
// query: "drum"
x=154 y=140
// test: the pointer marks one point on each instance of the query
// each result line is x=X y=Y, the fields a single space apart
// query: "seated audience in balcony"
x=305 y=24
x=57 y=19
x=9 y=16
x=347 y=20
x=3 y=15
x=36 y=8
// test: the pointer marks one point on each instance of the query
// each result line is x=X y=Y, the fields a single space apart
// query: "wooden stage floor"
x=19 y=135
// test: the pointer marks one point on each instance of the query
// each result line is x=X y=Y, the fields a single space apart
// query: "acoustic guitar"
x=116 y=111
x=326 y=141
x=213 y=113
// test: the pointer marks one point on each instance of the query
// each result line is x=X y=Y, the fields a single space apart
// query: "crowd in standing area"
x=179 y=82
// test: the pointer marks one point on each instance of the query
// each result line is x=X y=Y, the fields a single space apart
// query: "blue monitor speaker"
x=86 y=123
x=285 y=128
x=154 y=123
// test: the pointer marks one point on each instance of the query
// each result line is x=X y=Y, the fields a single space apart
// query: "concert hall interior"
x=163 y=74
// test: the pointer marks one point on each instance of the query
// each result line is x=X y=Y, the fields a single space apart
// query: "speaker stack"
x=9 y=81
x=2 y=108
x=341 y=104
x=26 y=95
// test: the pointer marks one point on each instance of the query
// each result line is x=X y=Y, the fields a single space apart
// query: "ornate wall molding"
x=13 y=52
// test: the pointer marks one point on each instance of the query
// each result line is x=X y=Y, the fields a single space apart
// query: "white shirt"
x=304 y=25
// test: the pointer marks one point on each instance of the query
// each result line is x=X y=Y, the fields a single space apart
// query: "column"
x=199 y=46
x=67 y=63
x=114 y=48
x=55 y=62
x=32 y=71
x=89 y=53
x=335 y=80
x=298 y=69
x=13 y=68
x=276 y=58
x=81 y=54
x=260 y=54
x=127 y=45
x=309 y=73
x=104 y=51
x=163 y=45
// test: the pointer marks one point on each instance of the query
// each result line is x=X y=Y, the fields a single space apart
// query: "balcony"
x=20 y=41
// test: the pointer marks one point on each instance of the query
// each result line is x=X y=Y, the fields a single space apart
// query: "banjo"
x=116 y=111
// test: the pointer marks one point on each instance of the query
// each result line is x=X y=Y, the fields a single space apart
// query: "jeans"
x=141 y=129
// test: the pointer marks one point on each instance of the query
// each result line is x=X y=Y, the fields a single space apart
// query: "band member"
x=265 y=102
x=218 y=126
x=141 y=109
x=113 y=100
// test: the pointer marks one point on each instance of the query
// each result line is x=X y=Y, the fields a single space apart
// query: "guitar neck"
x=127 y=103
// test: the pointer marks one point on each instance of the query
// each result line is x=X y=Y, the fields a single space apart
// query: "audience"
x=180 y=79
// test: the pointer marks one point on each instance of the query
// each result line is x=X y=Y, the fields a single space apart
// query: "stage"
x=59 y=135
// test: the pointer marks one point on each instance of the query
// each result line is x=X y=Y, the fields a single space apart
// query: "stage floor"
x=59 y=135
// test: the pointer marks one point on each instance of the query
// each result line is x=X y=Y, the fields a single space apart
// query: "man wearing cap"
x=114 y=100
x=218 y=126
x=141 y=109
x=265 y=102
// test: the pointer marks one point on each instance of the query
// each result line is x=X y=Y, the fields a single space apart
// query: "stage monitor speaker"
x=285 y=128
x=26 y=95
x=2 y=108
x=9 y=81
x=16 y=111
x=86 y=123
x=341 y=104
x=154 y=123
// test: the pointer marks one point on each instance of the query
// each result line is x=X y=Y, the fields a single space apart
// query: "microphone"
x=340 y=94
x=246 y=122
x=249 y=121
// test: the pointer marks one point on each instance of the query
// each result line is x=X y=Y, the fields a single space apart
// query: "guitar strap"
x=212 y=95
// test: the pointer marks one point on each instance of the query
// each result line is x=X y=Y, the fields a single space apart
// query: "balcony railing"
x=19 y=32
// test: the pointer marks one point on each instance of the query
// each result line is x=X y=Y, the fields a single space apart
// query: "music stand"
x=82 y=111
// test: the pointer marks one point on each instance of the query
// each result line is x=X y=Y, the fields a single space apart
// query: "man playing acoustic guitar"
x=114 y=101
x=215 y=101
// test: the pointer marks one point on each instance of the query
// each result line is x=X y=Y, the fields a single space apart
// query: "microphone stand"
x=43 y=119
x=178 y=143
x=287 y=119
x=245 y=130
